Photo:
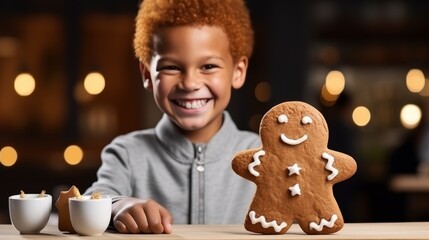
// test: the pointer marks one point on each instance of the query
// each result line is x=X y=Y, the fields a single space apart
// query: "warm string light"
x=94 y=83
x=410 y=116
x=335 y=82
x=361 y=116
x=415 y=80
x=8 y=156
x=73 y=155
x=334 y=85
x=24 y=84
x=327 y=98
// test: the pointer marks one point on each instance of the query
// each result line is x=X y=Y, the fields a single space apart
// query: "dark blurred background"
x=350 y=59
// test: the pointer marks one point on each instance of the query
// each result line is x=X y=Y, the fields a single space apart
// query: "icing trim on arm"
x=334 y=171
x=261 y=219
x=324 y=222
x=255 y=162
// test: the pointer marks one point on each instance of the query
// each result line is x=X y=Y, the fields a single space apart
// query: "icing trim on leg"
x=264 y=223
x=323 y=222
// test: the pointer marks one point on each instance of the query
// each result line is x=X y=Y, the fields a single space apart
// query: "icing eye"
x=306 y=120
x=282 y=119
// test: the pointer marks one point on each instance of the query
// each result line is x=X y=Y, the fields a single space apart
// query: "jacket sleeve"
x=114 y=175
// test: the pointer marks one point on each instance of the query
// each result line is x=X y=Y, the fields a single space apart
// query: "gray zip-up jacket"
x=195 y=182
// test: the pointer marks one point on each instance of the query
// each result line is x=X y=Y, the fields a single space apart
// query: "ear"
x=240 y=70
x=147 y=80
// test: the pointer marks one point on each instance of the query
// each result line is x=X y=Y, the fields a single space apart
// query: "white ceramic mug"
x=90 y=216
x=30 y=214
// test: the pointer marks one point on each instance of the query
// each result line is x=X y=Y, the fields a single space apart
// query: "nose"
x=190 y=81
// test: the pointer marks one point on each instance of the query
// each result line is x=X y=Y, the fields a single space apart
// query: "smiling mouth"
x=291 y=141
x=191 y=104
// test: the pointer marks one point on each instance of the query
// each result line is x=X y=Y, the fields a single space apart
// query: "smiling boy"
x=191 y=74
x=192 y=54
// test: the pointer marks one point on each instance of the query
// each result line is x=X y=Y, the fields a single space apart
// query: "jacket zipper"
x=199 y=160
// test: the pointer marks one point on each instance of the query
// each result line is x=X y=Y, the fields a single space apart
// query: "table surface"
x=405 y=230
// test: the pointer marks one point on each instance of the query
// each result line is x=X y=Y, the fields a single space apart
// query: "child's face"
x=191 y=75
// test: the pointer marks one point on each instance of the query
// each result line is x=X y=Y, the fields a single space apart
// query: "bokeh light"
x=94 y=83
x=24 y=84
x=410 y=116
x=8 y=46
x=335 y=82
x=73 y=154
x=415 y=80
x=263 y=91
x=255 y=121
x=361 y=116
x=8 y=156
x=326 y=98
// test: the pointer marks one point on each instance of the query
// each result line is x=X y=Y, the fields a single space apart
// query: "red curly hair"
x=230 y=15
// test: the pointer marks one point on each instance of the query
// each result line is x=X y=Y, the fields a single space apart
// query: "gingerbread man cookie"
x=294 y=172
x=62 y=204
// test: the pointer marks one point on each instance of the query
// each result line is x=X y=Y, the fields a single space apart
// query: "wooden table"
x=408 y=230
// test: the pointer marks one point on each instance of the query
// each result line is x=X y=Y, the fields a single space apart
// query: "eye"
x=168 y=68
x=209 y=66
x=306 y=120
x=282 y=119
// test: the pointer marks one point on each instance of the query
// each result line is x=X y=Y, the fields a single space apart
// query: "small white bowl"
x=29 y=215
x=90 y=216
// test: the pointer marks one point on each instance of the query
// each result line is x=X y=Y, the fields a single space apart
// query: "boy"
x=192 y=53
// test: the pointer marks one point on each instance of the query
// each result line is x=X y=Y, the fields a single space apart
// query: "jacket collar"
x=181 y=149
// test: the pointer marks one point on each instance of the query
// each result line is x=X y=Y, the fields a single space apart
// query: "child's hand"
x=133 y=215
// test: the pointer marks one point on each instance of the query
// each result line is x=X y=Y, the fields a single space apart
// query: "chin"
x=191 y=126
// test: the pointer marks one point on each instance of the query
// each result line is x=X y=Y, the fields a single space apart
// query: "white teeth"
x=193 y=104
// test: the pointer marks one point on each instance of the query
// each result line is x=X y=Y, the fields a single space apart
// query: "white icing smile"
x=192 y=104
x=291 y=141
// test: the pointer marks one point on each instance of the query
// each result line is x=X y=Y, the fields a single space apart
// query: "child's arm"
x=134 y=215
